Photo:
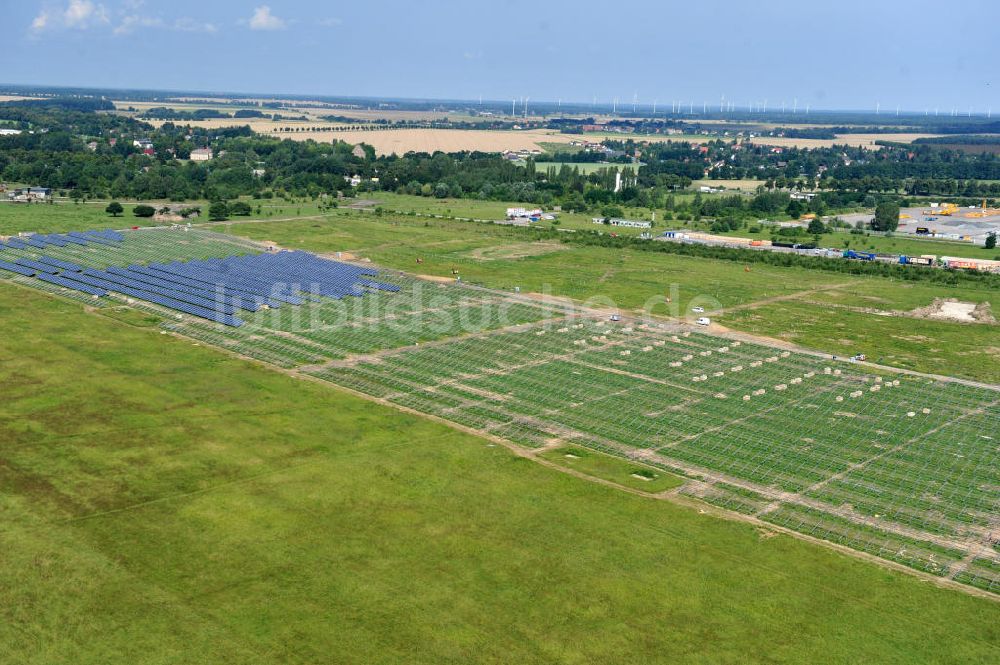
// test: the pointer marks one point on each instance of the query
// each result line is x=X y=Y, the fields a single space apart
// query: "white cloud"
x=263 y=19
x=331 y=22
x=79 y=14
x=134 y=22
x=131 y=22
x=41 y=21
x=186 y=24
x=83 y=14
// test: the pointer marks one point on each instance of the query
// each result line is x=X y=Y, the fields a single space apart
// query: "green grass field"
x=164 y=503
x=591 y=463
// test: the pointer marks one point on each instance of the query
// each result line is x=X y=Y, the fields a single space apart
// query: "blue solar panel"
x=170 y=303
x=68 y=283
x=69 y=238
x=59 y=263
x=206 y=300
x=227 y=297
x=20 y=270
x=85 y=238
x=39 y=267
x=53 y=240
x=209 y=288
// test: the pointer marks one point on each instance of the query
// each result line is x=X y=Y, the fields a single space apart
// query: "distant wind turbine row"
x=682 y=107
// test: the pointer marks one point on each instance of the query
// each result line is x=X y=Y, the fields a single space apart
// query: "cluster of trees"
x=890 y=169
x=164 y=113
x=262 y=166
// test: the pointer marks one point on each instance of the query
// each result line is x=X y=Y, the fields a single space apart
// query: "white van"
x=703 y=321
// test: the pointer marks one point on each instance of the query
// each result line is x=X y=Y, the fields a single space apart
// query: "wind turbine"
x=795 y=105
x=654 y=106
x=635 y=100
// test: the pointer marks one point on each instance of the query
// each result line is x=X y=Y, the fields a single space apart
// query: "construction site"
x=951 y=222
x=897 y=465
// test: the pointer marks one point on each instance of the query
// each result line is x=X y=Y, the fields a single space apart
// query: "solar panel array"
x=214 y=289
x=42 y=241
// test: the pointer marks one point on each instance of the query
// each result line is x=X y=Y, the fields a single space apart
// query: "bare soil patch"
x=953 y=309
x=437 y=278
x=516 y=251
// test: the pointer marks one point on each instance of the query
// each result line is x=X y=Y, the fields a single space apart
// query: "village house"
x=201 y=154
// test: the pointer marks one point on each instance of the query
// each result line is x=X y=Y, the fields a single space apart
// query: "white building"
x=201 y=154
x=30 y=194
x=523 y=213
x=627 y=223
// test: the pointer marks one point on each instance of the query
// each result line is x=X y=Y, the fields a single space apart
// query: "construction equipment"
x=979 y=213
x=946 y=210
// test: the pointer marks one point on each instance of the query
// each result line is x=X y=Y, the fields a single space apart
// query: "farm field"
x=863 y=457
x=366 y=528
x=741 y=185
x=318 y=130
x=853 y=140
x=401 y=141
x=312 y=110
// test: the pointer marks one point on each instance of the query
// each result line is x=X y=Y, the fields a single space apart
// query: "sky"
x=848 y=54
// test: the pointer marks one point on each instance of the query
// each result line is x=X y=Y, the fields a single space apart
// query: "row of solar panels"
x=201 y=302
x=41 y=241
x=214 y=288
x=310 y=274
